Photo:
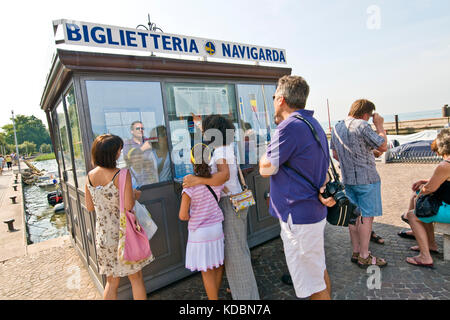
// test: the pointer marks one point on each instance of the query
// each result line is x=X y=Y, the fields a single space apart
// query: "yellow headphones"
x=207 y=148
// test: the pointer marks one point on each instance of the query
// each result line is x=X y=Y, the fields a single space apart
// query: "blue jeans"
x=367 y=197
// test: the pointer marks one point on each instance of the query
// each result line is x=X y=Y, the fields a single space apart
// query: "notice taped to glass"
x=200 y=101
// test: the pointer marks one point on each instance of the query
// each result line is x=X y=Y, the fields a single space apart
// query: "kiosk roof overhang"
x=66 y=61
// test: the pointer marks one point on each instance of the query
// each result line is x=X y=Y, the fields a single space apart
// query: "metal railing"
x=413 y=157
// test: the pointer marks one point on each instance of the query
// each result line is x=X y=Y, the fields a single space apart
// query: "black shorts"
x=9 y=164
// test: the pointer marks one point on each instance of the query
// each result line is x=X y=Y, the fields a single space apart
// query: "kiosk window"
x=256 y=114
x=64 y=138
x=134 y=111
x=186 y=101
x=78 y=153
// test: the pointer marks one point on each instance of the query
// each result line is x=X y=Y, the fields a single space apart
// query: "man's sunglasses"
x=139 y=128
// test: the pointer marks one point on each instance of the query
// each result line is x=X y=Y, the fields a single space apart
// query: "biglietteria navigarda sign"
x=97 y=35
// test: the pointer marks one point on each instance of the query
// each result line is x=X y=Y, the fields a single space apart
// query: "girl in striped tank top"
x=199 y=206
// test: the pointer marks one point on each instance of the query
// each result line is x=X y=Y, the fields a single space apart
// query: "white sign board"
x=200 y=101
x=106 y=36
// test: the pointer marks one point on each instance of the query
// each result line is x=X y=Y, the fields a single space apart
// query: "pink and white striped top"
x=204 y=210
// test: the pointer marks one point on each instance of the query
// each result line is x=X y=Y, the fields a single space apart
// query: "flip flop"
x=418 y=250
x=403 y=234
x=404 y=219
x=376 y=238
x=420 y=264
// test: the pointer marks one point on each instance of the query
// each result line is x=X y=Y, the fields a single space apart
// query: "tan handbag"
x=243 y=199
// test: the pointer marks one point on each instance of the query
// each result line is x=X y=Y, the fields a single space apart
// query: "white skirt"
x=205 y=248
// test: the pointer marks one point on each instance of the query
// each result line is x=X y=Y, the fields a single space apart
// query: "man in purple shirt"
x=292 y=199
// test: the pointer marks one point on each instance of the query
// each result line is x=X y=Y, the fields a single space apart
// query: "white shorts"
x=305 y=255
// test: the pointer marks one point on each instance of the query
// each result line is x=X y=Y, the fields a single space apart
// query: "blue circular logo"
x=210 y=48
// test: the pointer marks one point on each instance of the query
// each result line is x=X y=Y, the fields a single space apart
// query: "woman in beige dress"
x=102 y=195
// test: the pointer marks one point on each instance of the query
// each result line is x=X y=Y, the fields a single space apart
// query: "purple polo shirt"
x=293 y=141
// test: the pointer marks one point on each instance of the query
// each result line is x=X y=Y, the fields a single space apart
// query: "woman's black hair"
x=104 y=150
x=224 y=125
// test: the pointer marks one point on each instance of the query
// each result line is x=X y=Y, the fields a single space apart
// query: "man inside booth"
x=139 y=156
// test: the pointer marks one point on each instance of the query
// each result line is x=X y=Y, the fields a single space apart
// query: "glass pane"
x=256 y=119
x=65 y=143
x=58 y=146
x=134 y=111
x=186 y=100
x=80 y=165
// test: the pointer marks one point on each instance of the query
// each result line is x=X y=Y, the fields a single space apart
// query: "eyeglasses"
x=139 y=128
x=274 y=96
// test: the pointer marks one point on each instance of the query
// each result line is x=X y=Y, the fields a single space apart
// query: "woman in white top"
x=238 y=267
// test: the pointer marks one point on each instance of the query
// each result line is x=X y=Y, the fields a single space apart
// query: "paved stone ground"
x=399 y=280
x=53 y=273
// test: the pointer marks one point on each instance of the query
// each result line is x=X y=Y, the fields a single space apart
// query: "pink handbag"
x=134 y=246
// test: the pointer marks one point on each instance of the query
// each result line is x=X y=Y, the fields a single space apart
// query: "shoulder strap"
x=316 y=137
x=115 y=175
x=212 y=192
x=122 y=181
x=89 y=179
x=314 y=132
x=309 y=181
x=241 y=176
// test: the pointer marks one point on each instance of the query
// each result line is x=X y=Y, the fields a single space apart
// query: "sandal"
x=404 y=219
x=419 y=264
x=355 y=256
x=371 y=261
x=375 y=238
x=416 y=249
x=405 y=235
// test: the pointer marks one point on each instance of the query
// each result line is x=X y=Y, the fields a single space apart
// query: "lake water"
x=43 y=223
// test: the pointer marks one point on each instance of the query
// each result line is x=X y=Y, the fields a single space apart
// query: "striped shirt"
x=204 y=210
x=354 y=141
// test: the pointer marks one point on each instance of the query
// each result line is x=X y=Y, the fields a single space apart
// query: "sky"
x=395 y=53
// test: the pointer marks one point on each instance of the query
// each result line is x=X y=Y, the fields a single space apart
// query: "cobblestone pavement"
x=53 y=273
x=399 y=280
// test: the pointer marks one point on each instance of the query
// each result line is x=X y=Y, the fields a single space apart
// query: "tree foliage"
x=28 y=129
x=27 y=148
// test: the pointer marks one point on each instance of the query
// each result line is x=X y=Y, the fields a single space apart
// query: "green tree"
x=45 y=148
x=28 y=128
x=27 y=148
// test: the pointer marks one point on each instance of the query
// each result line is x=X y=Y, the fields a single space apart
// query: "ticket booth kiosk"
x=152 y=99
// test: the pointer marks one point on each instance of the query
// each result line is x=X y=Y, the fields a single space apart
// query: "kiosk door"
x=65 y=159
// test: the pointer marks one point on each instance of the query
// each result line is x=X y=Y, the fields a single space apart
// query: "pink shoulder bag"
x=134 y=246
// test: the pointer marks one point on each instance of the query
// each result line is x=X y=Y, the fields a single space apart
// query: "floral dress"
x=106 y=203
